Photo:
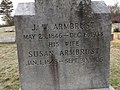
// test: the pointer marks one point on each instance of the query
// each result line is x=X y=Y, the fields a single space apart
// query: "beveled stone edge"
x=110 y=88
x=99 y=7
x=25 y=9
x=29 y=8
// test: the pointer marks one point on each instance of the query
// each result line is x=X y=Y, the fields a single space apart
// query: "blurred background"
x=9 y=74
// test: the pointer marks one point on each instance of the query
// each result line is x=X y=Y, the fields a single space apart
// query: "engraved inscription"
x=67 y=35
x=59 y=26
x=40 y=53
x=66 y=26
x=29 y=36
x=67 y=61
x=79 y=52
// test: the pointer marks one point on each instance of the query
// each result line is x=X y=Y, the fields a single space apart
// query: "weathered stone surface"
x=58 y=6
x=63 y=46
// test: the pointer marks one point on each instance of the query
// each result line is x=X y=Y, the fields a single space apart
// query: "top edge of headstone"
x=25 y=9
x=42 y=6
x=29 y=8
x=84 y=2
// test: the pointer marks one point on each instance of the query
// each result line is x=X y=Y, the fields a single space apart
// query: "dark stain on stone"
x=45 y=29
x=44 y=26
x=55 y=73
x=80 y=11
x=84 y=13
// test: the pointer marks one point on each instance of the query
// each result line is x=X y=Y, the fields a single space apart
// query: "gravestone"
x=63 y=45
x=112 y=37
x=118 y=36
x=7 y=39
x=9 y=29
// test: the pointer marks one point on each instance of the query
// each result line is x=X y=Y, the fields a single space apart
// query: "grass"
x=115 y=65
x=9 y=67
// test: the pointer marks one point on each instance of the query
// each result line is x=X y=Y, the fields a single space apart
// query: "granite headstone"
x=118 y=36
x=112 y=37
x=63 y=45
